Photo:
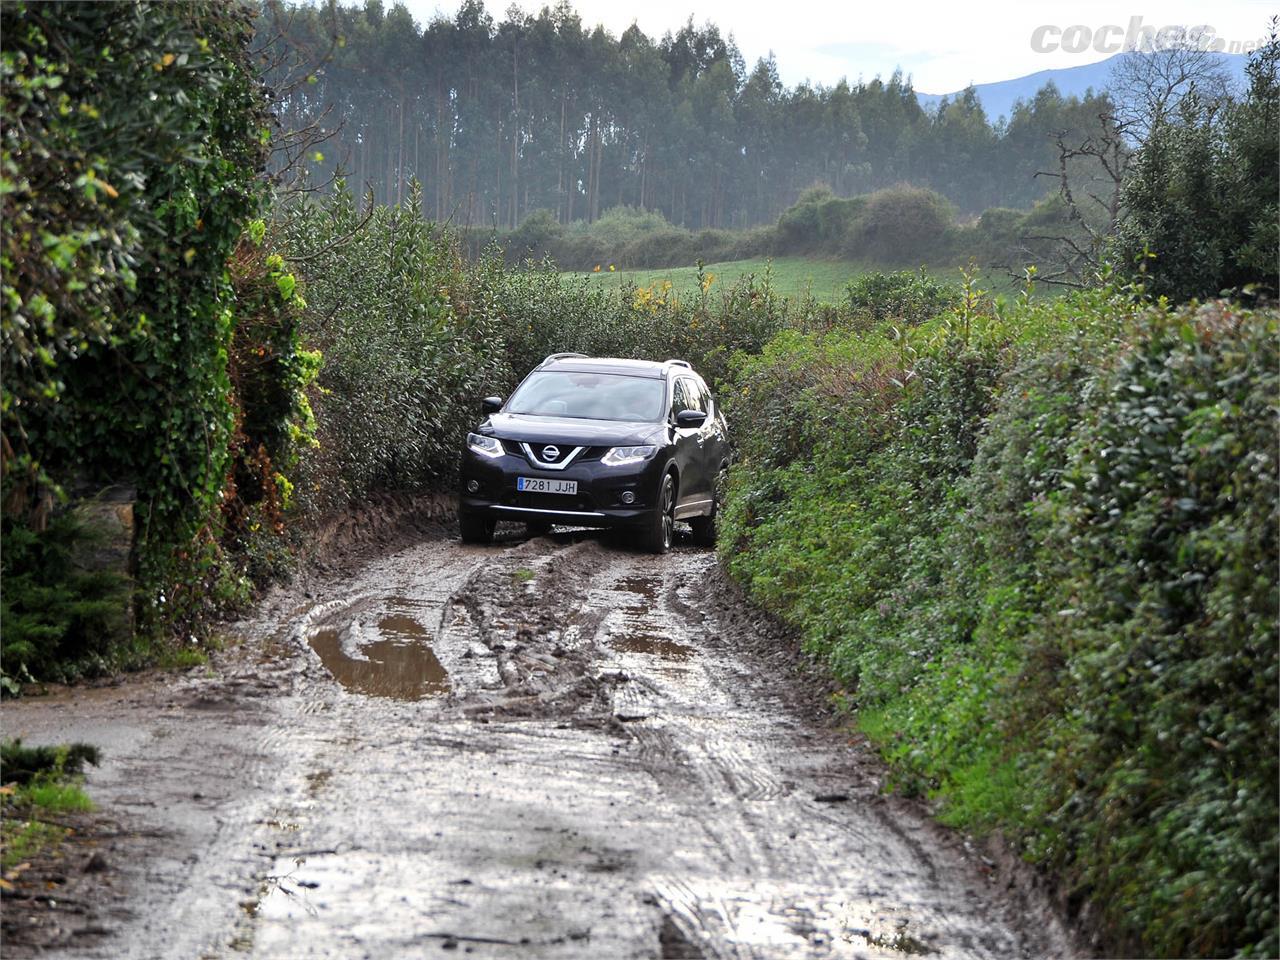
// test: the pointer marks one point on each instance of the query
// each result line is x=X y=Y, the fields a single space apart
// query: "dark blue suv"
x=593 y=442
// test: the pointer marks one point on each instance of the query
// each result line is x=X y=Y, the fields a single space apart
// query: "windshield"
x=590 y=396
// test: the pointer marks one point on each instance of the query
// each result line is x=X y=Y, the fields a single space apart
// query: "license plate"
x=541 y=485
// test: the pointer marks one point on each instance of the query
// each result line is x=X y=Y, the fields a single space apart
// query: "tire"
x=475 y=528
x=659 y=531
x=537 y=528
x=704 y=528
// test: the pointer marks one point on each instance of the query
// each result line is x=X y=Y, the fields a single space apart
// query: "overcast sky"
x=943 y=45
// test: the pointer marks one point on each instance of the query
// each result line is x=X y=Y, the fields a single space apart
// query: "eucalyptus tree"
x=500 y=118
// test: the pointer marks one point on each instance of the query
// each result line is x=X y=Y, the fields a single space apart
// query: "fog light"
x=473 y=486
x=627 y=497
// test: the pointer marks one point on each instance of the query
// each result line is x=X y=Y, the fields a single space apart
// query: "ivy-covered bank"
x=149 y=344
x=1037 y=546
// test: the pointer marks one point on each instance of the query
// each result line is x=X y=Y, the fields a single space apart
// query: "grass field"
x=791 y=276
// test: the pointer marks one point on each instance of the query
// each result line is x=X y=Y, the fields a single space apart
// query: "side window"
x=703 y=396
x=680 y=399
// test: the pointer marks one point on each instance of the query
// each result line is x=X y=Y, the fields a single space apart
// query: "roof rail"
x=552 y=358
x=681 y=363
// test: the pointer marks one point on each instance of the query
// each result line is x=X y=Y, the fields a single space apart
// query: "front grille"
x=514 y=448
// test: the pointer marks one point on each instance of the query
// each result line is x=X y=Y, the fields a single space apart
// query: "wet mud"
x=387 y=657
x=549 y=747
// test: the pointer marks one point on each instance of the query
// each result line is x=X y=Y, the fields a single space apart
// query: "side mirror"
x=491 y=404
x=690 y=418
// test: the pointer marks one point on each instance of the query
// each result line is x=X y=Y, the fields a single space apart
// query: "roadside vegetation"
x=131 y=155
x=1032 y=537
x=1036 y=546
x=42 y=787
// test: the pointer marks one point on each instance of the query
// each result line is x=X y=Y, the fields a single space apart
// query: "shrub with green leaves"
x=1163 y=546
x=900 y=224
x=59 y=620
x=1037 y=547
x=542 y=312
x=410 y=341
x=904 y=297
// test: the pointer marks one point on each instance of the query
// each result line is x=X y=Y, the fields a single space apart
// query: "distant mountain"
x=998 y=98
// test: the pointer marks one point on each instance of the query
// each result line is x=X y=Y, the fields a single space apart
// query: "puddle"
x=393 y=659
x=653 y=645
x=630 y=626
x=646 y=587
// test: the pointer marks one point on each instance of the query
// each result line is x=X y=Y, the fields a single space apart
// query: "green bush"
x=901 y=224
x=618 y=226
x=625 y=237
x=58 y=620
x=904 y=297
x=664 y=248
x=535 y=238
x=543 y=313
x=1164 y=615
x=270 y=371
x=411 y=342
x=1037 y=547
x=819 y=222
x=996 y=239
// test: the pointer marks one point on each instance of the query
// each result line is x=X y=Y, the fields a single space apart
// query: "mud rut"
x=544 y=748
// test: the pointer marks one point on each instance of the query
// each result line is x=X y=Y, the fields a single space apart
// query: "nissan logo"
x=550 y=452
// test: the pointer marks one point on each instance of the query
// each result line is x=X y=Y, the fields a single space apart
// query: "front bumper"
x=598 y=502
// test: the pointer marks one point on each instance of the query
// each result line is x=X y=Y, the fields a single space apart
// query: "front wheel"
x=659 y=531
x=475 y=528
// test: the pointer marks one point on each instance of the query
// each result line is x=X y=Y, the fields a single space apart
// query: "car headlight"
x=485 y=446
x=617 y=456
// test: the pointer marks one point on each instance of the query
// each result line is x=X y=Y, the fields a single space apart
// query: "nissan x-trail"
x=593 y=442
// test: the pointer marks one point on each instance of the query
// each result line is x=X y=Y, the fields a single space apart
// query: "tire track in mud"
x=728 y=789
x=546 y=748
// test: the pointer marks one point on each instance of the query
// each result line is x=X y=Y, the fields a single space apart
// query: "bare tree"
x=1148 y=87
x=290 y=69
x=1070 y=249
x=1149 y=82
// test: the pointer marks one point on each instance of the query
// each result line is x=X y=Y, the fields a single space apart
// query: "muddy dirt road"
x=543 y=748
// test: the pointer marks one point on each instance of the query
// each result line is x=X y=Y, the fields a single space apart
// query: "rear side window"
x=689 y=395
x=683 y=397
x=700 y=397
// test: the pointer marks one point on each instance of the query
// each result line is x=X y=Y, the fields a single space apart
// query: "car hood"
x=582 y=433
